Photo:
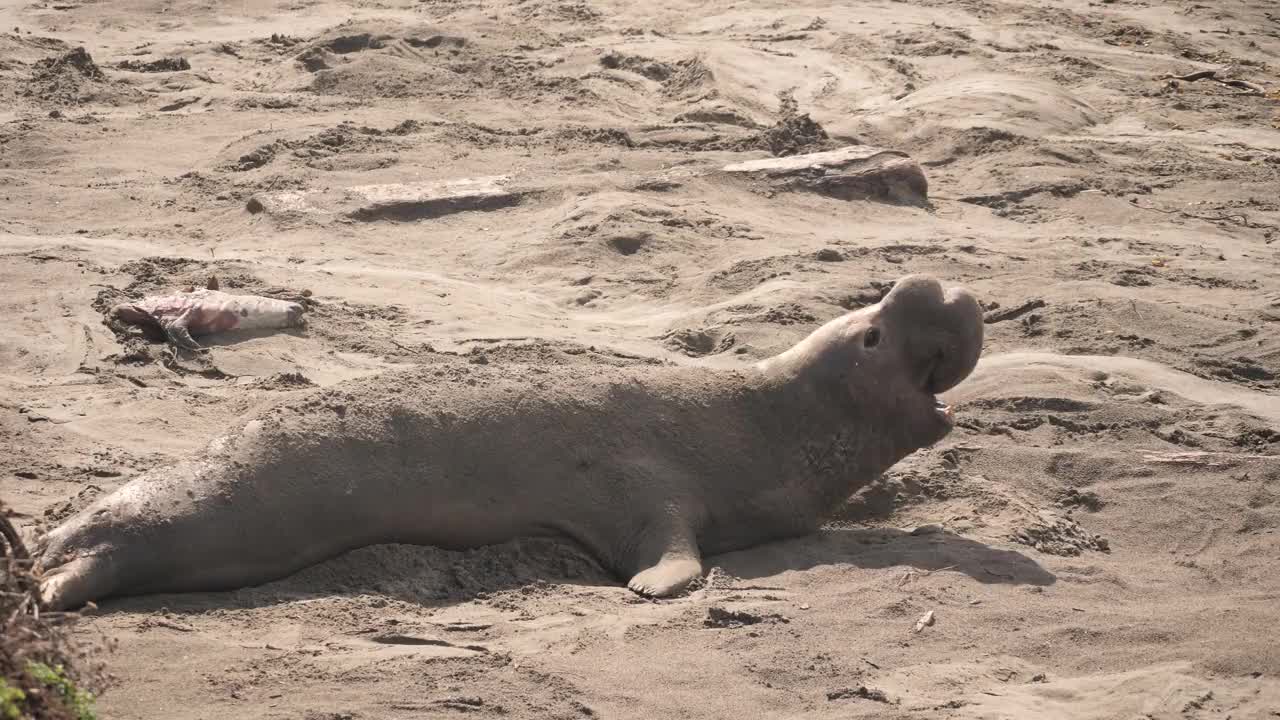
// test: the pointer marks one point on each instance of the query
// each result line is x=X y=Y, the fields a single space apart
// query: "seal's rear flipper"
x=70 y=585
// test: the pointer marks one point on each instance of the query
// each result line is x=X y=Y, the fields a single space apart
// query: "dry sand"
x=1097 y=540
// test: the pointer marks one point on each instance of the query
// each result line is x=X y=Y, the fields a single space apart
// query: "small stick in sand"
x=1248 y=87
x=912 y=573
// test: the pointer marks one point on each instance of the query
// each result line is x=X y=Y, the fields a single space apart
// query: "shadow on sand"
x=235 y=337
x=435 y=577
x=878 y=548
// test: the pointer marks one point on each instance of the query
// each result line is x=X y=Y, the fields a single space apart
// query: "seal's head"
x=888 y=362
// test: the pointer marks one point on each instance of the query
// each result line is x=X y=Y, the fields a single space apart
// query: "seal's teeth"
x=947 y=412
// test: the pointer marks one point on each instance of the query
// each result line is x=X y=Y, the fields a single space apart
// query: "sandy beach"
x=1098 y=538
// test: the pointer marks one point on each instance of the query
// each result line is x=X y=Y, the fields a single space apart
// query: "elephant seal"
x=205 y=312
x=648 y=468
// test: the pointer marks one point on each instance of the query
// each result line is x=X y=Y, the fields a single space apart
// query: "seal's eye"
x=871 y=338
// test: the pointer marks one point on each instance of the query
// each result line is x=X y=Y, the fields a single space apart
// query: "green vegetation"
x=79 y=702
x=44 y=675
x=11 y=701
x=49 y=693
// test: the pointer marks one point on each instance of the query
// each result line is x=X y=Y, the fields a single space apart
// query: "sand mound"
x=364 y=60
x=73 y=78
x=1000 y=105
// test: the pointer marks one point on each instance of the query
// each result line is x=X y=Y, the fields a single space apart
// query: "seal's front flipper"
x=176 y=330
x=180 y=336
x=668 y=577
x=668 y=560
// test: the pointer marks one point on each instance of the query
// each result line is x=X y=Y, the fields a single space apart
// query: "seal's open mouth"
x=931 y=387
x=944 y=412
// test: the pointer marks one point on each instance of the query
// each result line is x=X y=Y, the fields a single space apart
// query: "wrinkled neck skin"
x=847 y=439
